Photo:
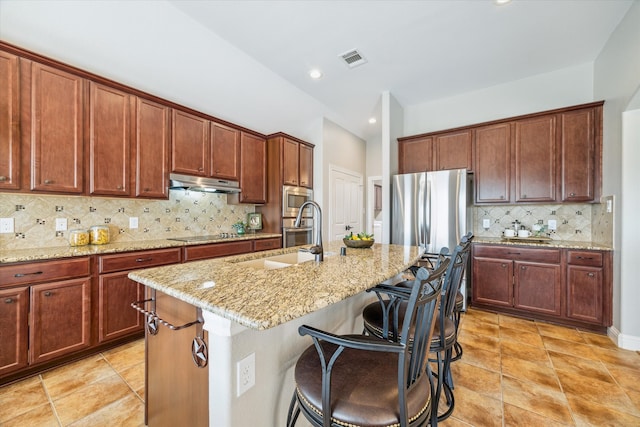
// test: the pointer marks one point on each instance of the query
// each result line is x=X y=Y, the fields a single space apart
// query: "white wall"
x=617 y=80
x=561 y=88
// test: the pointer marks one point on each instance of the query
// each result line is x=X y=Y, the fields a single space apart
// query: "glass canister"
x=99 y=235
x=78 y=237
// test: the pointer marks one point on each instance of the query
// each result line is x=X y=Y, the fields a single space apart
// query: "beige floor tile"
x=477 y=340
x=476 y=379
x=125 y=356
x=480 y=327
x=594 y=391
x=577 y=365
x=479 y=357
x=134 y=377
x=515 y=349
x=598 y=340
x=525 y=337
x=529 y=371
x=91 y=398
x=588 y=414
x=42 y=416
x=517 y=323
x=125 y=412
x=485 y=316
x=568 y=347
x=537 y=399
x=477 y=409
x=518 y=417
x=560 y=332
x=73 y=376
x=618 y=357
x=21 y=397
x=453 y=422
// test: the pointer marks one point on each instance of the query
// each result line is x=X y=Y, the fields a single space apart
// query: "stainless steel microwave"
x=293 y=198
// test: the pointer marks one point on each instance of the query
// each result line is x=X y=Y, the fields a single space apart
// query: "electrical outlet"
x=61 y=224
x=133 y=222
x=486 y=223
x=6 y=225
x=552 y=223
x=246 y=374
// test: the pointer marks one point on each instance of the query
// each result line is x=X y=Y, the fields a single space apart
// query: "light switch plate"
x=61 y=224
x=486 y=223
x=246 y=373
x=553 y=225
x=133 y=222
x=6 y=225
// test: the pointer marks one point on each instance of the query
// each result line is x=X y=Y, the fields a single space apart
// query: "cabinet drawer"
x=36 y=272
x=192 y=253
x=266 y=244
x=589 y=258
x=518 y=253
x=135 y=260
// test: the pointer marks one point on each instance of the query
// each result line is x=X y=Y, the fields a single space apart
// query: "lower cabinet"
x=267 y=244
x=560 y=285
x=14 y=327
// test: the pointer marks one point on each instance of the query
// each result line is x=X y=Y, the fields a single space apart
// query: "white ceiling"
x=419 y=51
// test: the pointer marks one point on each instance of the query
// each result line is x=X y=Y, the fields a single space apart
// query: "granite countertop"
x=39 y=254
x=261 y=299
x=559 y=244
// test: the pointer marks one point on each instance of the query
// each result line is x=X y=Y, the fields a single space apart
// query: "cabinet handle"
x=522 y=267
x=200 y=169
x=119 y=187
x=48 y=181
x=585 y=257
x=27 y=274
x=143 y=259
x=501 y=197
x=513 y=253
x=504 y=265
x=8 y=300
x=146 y=190
x=524 y=196
x=3 y=178
x=48 y=294
x=572 y=194
x=591 y=275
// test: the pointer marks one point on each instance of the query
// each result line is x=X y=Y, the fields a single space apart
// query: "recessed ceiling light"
x=372 y=120
x=315 y=74
x=501 y=2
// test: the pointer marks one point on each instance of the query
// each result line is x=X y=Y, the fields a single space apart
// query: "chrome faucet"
x=316 y=249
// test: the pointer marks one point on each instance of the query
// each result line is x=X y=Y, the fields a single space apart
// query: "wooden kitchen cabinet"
x=297 y=163
x=588 y=295
x=109 y=141
x=452 y=150
x=306 y=165
x=9 y=122
x=60 y=319
x=53 y=126
x=415 y=155
x=535 y=159
x=253 y=169
x=492 y=177
x=579 y=153
x=190 y=147
x=267 y=244
x=116 y=292
x=537 y=287
x=216 y=250
x=225 y=152
x=14 y=329
x=151 y=149
x=492 y=281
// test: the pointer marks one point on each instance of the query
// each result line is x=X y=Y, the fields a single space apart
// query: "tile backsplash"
x=185 y=213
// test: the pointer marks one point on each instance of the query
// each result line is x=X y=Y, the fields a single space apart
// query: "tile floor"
x=513 y=372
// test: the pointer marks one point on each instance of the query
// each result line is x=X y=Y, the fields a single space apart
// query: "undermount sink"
x=279 y=261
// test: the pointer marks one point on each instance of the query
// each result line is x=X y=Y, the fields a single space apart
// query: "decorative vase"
x=240 y=231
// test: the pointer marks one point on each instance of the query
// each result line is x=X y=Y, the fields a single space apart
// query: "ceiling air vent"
x=353 y=58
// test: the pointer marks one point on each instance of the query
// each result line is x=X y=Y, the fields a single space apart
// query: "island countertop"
x=261 y=299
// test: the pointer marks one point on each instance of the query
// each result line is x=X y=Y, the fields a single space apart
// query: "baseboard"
x=628 y=342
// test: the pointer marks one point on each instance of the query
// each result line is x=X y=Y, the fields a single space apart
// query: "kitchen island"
x=251 y=312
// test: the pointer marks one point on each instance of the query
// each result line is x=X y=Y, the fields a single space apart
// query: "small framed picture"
x=255 y=221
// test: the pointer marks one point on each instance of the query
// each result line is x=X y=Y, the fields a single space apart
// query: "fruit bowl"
x=358 y=243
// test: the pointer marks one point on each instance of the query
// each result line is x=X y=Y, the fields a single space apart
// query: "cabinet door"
x=14 y=326
x=189 y=144
x=151 y=149
x=453 y=150
x=306 y=166
x=415 y=155
x=578 y=155
x=290 y=162
x=109 y=141
x=9 y=122
x=537 y=287
x=60 y=319
x=56 y=130
x=253 y=169
x=535 y=159
x=492 y=166
x=584 y=293
x=116 y=317
x=225 y=152
x=493 y=281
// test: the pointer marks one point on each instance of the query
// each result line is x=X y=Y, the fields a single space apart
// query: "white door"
x=346 y=204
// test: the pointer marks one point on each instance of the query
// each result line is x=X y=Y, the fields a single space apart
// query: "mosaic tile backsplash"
x=185 y=213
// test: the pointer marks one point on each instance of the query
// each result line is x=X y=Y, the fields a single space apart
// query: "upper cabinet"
x=253 y=169
x=306 y=165
x=225 y=152
x=297 y=163
x=548 y=157
x=9 y=121
x=109 y=141
x=54 y=129
x=151 y=149
x=190 y=149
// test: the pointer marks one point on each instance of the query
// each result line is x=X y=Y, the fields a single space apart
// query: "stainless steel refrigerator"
x=431 y=210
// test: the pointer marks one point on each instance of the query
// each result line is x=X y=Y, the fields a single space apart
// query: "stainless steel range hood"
x=198 y=183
